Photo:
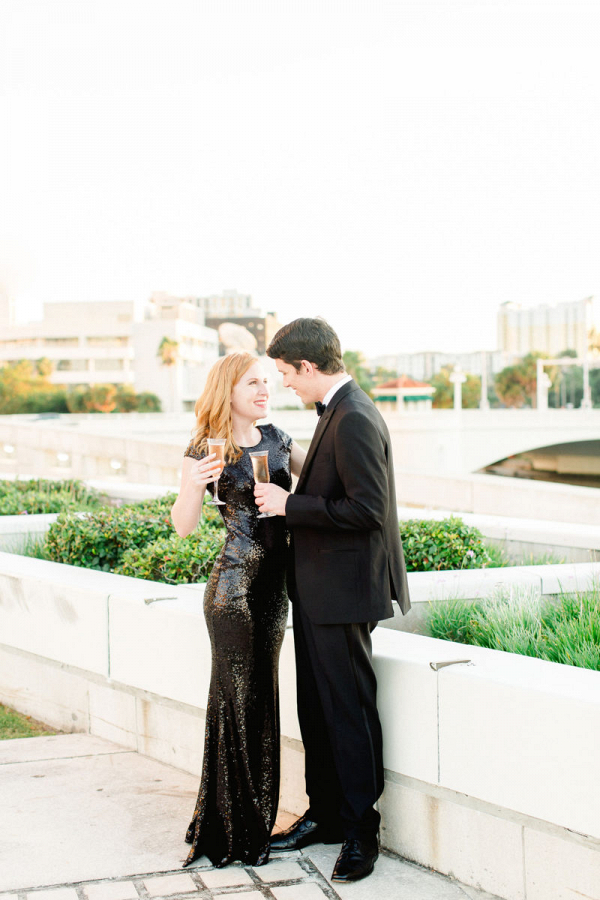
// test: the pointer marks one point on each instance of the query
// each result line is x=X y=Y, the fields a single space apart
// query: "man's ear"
x=307 y=367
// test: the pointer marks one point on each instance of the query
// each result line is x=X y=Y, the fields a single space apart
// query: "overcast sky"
x=400 y=168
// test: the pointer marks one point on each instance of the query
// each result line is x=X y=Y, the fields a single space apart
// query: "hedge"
x=39 y=495
x=138 y=540
x=431 y=544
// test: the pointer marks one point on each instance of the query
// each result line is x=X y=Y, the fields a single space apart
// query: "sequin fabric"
x=245 y=607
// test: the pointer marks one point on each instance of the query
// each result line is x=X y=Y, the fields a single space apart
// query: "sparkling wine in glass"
x=260 y=467
x=217 y=445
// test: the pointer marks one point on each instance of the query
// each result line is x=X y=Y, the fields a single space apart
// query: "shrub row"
x=39 y=495
x=137 y=540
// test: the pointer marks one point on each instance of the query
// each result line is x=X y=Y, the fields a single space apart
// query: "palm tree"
x=168 y=351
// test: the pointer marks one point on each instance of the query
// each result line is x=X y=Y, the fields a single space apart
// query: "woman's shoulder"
x=277 y=434
x=193 y=451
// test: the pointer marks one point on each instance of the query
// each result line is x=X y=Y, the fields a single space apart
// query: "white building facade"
x=106 y=343
x=547 y=329
x=423 y=366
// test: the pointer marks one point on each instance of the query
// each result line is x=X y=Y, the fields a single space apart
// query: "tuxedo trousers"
x=339 y=723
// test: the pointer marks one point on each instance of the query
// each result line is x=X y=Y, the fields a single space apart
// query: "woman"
x=245 y=606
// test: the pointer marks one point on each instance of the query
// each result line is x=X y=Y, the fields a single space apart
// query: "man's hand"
x=271 y=498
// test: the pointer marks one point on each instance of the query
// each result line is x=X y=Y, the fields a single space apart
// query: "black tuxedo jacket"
x=347 y=560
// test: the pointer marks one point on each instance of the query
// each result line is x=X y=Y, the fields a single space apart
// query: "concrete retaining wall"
x=18 y=531
x=518 y=537
x=491 y=766
x=498 y=496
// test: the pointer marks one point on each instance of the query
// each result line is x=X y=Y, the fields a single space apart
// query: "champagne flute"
x=260 y=467
x=217 y=445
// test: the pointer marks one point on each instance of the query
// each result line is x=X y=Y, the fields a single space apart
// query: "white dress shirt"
x=336 y=387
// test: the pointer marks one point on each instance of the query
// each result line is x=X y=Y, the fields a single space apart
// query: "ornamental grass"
x=563 y=629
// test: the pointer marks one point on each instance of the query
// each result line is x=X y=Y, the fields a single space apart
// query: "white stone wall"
x=491 y=767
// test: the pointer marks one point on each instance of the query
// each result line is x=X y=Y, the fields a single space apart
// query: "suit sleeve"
x=361 y=462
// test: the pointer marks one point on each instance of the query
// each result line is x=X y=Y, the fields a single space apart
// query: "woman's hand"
x=205 y=471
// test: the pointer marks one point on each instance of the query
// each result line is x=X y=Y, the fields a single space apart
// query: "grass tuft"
x=564 y=630
x=500 y=558
x=16 y=725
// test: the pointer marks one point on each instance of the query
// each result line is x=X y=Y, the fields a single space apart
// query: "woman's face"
x=250 y=395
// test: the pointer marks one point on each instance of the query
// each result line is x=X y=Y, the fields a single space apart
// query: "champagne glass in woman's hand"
x=260 y=467
x=217 y=446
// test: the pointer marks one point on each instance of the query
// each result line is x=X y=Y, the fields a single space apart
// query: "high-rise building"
x=545 y=328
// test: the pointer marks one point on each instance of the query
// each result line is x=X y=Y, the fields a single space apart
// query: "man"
x=347 y=566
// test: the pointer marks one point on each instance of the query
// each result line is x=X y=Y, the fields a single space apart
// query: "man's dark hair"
x=310 y=339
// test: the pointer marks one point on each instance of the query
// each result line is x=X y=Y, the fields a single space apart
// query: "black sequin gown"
x=245 y=607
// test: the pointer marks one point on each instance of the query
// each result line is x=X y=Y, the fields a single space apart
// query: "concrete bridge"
x=465 y=441
x=148 y=447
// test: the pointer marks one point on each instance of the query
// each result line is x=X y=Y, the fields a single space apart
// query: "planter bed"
x=491 y=765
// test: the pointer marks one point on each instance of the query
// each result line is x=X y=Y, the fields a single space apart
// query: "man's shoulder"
x=356 y=402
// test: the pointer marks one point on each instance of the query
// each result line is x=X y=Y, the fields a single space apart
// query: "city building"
x=403 y=394
x=423 y=366
x=107 y=343
x=547 y=329
x=235 y=308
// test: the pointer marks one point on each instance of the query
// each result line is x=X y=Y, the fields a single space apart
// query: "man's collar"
x=332 y=390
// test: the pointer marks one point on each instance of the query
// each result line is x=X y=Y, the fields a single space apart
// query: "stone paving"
x=104 y=821
x=281 y=879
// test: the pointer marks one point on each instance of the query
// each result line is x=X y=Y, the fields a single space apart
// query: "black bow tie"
x=320 y=407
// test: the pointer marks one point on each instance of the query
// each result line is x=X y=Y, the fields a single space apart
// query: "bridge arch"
x=576 y=462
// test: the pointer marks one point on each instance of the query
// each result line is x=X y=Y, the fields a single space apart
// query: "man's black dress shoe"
x=356 y=860
x=303 y=833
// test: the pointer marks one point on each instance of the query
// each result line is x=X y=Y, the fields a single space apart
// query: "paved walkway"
x=84 y=819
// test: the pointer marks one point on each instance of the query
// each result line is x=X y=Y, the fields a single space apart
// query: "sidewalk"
x=84 y=819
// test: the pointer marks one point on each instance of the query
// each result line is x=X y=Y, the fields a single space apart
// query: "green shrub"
x=99 y=540
x=564 y=631
x=431 y=544
x=175 y=560
x=42 y=496
x=147 y=402
x=51 y=400
x=211 y=517
x=109 y=398
x=130 y=540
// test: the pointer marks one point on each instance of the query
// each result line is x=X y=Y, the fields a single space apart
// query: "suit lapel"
x=320 y=431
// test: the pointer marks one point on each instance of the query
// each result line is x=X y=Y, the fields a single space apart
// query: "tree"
x=110 y=398
x=76 y=399
x=516 y=386
x=44 y=367
x=168 y=351
x=101 y=398
x=444 y=390
x=126 y=399
x=25 y=387
x=147 y=402
x=381 y=375
x=354 y=365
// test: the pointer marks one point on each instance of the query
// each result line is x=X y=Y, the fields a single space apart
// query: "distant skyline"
x=400 y=168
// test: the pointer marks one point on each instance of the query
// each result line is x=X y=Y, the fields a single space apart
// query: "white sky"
x=400 y=168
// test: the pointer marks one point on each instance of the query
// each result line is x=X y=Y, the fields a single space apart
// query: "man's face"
x=301 y=381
